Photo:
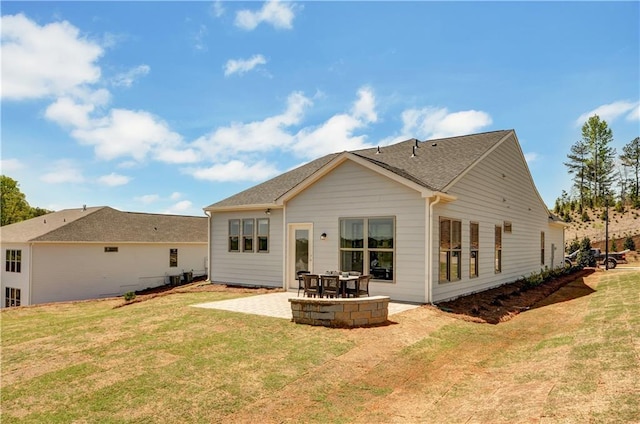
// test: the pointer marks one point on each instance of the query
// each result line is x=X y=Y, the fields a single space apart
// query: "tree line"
x=600 y=176
x=13 y=203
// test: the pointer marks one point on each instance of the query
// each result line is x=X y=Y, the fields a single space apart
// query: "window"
x=247 y=235
x=474 y=247
x=450 y=249
x=371 y=255
x=11 y=297
x=498 y=253
x=173 y=258
x=109 y=249
x=13 y=260
x=234 y=235
x=263 y=234
x=542 y=248
x=507 y=227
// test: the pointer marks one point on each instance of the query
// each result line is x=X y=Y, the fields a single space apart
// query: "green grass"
x=574 y=360
x=158 y=360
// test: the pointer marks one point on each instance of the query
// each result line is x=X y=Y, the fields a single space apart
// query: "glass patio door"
x=300 y=251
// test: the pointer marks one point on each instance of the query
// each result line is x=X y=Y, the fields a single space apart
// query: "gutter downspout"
x=285 y=247
x=429 y=253
x=30 y=273
x=208 y=267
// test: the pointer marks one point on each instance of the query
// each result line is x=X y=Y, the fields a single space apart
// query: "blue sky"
x=171 y=106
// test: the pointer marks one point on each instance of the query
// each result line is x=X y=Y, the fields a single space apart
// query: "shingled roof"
x=436 y=164
x=108 y=225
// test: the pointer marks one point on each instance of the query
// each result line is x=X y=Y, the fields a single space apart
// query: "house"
x=430 y=220
x=97 y=252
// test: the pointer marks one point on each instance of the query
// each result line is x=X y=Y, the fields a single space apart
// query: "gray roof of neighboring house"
x=107 y=225
x=436 y=164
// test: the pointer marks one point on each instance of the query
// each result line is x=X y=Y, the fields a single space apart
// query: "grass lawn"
x=574 y=358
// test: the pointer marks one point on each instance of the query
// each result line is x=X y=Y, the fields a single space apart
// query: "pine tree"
x=597 y=135
x=631 y=159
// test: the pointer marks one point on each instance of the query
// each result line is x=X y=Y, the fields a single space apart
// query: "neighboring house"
x=429 y=220
x=97 y=252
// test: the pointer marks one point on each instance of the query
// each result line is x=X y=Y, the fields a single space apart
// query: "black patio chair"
x=330 y=285
x=312 y=286
x=299 y=275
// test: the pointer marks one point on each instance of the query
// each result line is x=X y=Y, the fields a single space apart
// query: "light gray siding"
x=354 y=191
x=499 y=189
x=252 y=268
x=74 y=271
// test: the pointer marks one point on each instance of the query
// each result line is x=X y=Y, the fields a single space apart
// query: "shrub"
x=129 y=296
x=614 y=245
x=585 y=255
x=629 y=243
x=585 y=216
x=574 y=245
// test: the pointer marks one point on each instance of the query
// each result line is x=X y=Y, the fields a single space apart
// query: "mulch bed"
x=504 y=302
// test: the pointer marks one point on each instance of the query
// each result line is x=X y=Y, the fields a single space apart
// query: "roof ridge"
x=52 y=231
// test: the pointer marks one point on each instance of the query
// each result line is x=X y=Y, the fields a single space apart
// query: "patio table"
x=343 y=282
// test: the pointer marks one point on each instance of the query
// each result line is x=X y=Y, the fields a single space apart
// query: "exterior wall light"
x=323 y=236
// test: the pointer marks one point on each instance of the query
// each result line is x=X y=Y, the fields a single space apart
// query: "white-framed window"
x=11 y=297
x=498 y=249
x=263 y=234
x=367 y=245
x=13 y=260
x=247 y=235
x=173 y=258
x=508 y=228
x=234 y=235
x=450 y=249
x=474 y=249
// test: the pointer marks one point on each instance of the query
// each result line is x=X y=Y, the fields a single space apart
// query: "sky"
x=168 y=107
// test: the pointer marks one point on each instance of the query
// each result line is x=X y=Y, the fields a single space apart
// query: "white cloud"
x=336 y=134
x=241 y=66
x=531 y=157
x=634 y=115
x=257 y=136
x=10 y=165
x=126 y=79
x=364 y=107
x=147 y=198
x=63 y=171
x=235 y=170
x=40 y=61
x=114 y=180
x=612 y=111
x=273 y=12
x=430 y=122
x=66 y=112
x=217 y=9
x=199 y=38
x=175 y=195
x=181 y=208
x=127 y=133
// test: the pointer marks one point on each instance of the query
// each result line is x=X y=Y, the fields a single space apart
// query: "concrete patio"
x=277 y=305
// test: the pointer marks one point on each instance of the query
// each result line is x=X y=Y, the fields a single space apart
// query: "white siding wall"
x=498 y=189
x=352 y=190
x=16 y=280
x=85 y=271
x=263 y=269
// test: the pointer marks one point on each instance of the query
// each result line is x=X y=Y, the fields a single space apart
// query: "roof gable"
x=106 y=224
x=432 y=165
